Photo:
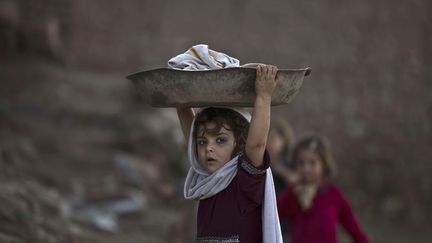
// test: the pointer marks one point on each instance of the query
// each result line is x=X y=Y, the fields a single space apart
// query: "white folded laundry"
x=200 y=57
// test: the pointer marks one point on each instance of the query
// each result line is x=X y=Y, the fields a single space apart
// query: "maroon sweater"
x=318 y=223
x=234 y=214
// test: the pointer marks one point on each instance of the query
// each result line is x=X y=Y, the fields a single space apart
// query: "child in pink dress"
x=314 y=205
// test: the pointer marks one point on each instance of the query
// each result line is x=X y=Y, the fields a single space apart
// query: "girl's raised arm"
x=186 y=116
x=260 y=123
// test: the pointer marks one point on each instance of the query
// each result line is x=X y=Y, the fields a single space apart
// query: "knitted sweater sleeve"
x=349 y=221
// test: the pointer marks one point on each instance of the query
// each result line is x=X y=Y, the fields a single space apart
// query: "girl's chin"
x=312 y=181
x=212 y=167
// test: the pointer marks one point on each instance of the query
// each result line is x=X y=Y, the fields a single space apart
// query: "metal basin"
x=164 y=87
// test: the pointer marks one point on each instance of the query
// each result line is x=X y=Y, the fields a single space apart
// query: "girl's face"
x=310 y=167
x=275 y=143
x=214 y=150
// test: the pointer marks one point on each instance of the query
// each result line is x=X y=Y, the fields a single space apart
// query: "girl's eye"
x=201 y=142
x=220 y=140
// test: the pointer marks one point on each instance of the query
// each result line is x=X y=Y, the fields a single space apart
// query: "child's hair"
x=228 y=119
x=285 y=130
x=320 y=146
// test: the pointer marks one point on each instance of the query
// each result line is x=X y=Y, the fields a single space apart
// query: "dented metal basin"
x=164 y=87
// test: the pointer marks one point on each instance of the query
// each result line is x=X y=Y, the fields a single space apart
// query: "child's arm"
x=260 y=124
x=287 y=204
x=290 y=176
x=186 y=116
x=350 y=222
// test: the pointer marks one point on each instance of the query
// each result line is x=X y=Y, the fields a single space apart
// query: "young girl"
x=315 y=205
x=229 y=169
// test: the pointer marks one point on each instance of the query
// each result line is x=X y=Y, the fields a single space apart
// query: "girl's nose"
x=210 y=148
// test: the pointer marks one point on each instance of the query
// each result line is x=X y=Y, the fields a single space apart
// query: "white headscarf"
x=200 y=185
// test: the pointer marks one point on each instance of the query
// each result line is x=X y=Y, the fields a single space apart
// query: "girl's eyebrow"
x=221 y=133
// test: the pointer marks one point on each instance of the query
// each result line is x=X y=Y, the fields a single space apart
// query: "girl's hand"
x=290 y=176
x=266 y=80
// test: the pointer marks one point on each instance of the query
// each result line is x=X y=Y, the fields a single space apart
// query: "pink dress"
x=318 y=223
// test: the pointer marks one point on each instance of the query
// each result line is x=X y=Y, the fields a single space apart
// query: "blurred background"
x=84 y=159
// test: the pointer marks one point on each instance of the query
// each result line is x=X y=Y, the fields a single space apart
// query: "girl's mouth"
x=211 y=160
